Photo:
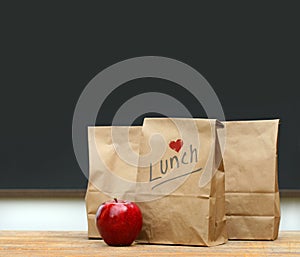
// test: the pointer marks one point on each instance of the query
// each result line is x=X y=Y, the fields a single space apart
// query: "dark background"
x=247 y=50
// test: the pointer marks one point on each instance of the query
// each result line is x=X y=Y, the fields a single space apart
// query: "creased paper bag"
x=251 y=180
x=109 y=170
x=180 y=178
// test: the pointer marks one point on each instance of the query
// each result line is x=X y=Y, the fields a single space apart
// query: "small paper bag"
x=111 y=174
x=251 y=180
x=180 y=188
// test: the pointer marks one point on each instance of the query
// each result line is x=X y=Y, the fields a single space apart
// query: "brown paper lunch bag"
x=107 y=170
x=251 y=180
x=181 y=182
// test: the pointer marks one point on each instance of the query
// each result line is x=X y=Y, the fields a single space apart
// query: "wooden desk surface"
x=45 y=243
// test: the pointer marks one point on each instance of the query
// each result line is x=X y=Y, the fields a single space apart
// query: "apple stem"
x=116 y=200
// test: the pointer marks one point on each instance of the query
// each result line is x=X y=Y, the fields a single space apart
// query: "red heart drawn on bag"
x=176 y=146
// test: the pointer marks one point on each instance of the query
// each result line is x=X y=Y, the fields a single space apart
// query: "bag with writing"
x=180 y=182
x=112 y=171
x=251 y=180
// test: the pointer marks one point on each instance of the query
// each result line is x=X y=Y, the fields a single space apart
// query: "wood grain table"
x=46 y=243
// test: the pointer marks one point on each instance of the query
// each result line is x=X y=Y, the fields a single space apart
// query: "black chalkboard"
x=249 y=53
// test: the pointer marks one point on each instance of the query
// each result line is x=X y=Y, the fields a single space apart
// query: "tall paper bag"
x=251 y=179
x=110 y=175
x=182 y=198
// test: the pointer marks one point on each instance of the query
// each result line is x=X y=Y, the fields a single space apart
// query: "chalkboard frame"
x=80 y=193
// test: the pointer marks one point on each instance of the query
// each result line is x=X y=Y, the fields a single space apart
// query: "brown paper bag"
x=108 y=171
x=180 y=186
x=251 y=182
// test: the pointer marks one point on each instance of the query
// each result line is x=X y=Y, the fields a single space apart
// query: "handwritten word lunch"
x=174 y=162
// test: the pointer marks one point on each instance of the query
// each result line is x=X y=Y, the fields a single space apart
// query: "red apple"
x=119 y=222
